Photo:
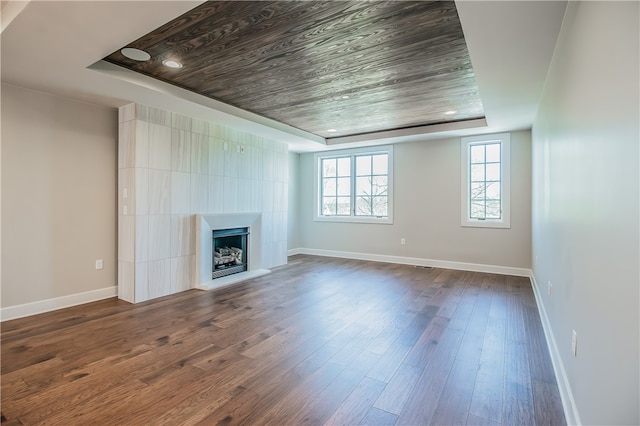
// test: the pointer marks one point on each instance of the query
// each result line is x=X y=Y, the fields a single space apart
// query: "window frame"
x=505 y=180
x=352 y=153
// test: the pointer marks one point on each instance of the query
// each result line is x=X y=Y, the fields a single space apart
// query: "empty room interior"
x=320 y=212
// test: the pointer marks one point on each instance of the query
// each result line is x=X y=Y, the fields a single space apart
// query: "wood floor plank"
x=377 y=417
x=518 y=394
x=356 y=406
x=547 y=403
x=320 y=340
x=455 y=399
x=423 y=401
x=400 y=387
x=488 y=391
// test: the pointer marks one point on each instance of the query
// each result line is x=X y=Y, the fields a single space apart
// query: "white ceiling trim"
x=49 y=46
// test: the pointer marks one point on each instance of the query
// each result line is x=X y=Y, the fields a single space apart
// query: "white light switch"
x=99 y=264
x=125 y=193
x=125 y=210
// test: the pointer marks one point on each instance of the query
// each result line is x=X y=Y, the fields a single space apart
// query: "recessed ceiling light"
x=332 y=130
x=450 y=112
x=135 y=54
x=172 y=64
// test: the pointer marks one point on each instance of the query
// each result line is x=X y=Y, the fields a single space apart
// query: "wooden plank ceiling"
x=352 y=67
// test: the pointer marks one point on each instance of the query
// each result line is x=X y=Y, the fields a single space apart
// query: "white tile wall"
x=199 y=193
x=126 y=239
x=141 y=148
x=159 y=278
x=175 y=167
x=142 y=281
x=180 y=150
x=159 y=236
x=126 y=277
x=126 y=140
x=182 y=235
x=159 y=200
x=142 y=238
x=159 y=147
x=199 y=153
x=182 y=270
x=141 y=191
x=159 y=116
x=180 y=193
x=216 y=156
x=216 y=193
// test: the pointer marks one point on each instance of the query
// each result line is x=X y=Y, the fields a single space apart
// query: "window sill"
x=354 y=219
x=499 y=224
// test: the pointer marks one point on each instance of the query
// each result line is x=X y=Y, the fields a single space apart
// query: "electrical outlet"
x=99 y=264
x=574 y=343
x=403 y=241
x=549 y=285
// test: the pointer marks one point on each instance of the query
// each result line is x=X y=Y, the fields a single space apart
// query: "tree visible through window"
x=355 y=184
x=372 y=185
x=486 y=180
x=336 y=186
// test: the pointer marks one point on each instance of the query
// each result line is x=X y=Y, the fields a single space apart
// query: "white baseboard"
x=568 y=402
x=473 y=267
x=41 y=306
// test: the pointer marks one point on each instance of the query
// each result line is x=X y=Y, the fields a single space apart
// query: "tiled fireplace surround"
x=172 y=168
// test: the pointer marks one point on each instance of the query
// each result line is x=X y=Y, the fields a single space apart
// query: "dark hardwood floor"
x=319 y=341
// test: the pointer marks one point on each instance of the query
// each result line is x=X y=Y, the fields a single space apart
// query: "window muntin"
x=336 y=186
x=372 y=185
x=355 y=185
x=485 y=181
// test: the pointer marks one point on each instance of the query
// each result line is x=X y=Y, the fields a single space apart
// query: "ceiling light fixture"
x=171 y=64
x=135 y=54
x=345 y=97
x=332 y=130
x=450 y=112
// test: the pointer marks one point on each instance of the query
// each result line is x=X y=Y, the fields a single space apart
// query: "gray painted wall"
x=59 y=183
x=427 y=181
x=585 y=216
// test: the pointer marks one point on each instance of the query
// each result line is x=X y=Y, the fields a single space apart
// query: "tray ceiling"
x=331 y=68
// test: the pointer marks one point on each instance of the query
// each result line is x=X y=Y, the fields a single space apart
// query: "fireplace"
x=250 y=225
x=230 y=254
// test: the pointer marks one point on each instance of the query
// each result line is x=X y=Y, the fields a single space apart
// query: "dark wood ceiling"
x=354 y=66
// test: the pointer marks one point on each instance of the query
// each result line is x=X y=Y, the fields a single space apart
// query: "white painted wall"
x=586 y=210
x=427 y=211
x=58 y=198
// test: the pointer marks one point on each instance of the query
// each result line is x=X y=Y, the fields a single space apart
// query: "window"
x=485 y=181
x=355 y=185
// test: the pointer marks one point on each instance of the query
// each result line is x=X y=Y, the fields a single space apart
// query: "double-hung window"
x=485 y=164
x=355 y=185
